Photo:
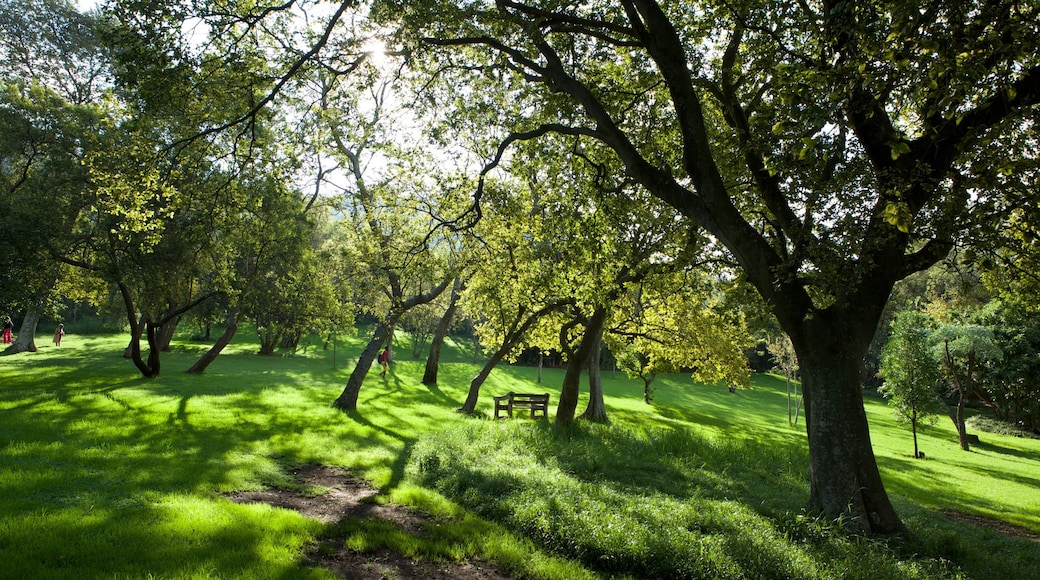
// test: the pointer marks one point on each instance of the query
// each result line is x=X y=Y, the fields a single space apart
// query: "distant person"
x=8 y=327
x=384 y=361
x=58 y=333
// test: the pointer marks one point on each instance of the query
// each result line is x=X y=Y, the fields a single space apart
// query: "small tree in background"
x=963 y=350
x=912 y=375
x=787 y=359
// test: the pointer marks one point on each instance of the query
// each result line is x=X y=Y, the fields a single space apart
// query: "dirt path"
x=350 y=498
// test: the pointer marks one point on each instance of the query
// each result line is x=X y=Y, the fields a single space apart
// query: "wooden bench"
x=533 y=402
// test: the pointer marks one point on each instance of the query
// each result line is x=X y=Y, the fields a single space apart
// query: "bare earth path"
x=350 y=498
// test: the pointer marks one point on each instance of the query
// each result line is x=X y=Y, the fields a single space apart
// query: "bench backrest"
x=530 y=397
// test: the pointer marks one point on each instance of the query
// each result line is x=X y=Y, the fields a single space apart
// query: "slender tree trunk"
x=844 y=478
x=521 y=325
x=958 y=420
x=26 y=340
x=790 y=409
x=541 y=359
x=913 y=428
x=347 y=400
x=474 y=386
x=799 y=400
x=433 y=361
x=211 y=355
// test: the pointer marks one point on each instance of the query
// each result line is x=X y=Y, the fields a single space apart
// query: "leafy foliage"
x=912 y=374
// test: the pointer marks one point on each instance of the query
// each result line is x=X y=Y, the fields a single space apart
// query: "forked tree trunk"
x=149 y=368
x=26 y=340
x=844 y=478
x=384 y=333
x=164 y=334
x=580 y=360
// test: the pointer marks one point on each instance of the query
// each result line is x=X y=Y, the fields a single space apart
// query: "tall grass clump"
x=649 y=502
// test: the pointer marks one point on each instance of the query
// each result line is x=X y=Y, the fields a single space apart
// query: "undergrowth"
x=652 y=502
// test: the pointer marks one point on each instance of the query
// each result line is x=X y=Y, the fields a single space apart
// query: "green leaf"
x=899 y=148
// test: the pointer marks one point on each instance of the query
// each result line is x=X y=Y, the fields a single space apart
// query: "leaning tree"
x=826 y=145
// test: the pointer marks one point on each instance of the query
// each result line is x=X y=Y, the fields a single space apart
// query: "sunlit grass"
x=106 y=474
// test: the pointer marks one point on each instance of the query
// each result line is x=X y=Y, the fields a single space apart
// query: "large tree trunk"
x=211 y=355
x=433 y=361
x=26 y=340
x=596 y=410
x=844 y=478
x=347 y=400
x=578 y=361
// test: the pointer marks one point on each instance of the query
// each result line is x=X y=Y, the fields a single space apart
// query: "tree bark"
x=962 y=386
x=347 y=400
x=541 y=361
x=957 y=416
x=913 y=428
x=433 y=361
x=474 y=386
x=164 y=334
x=211 y=355
x=844 y=479
x=383 y=334
x=578 y=361
x=26 y=340
x=520 y=326
x=596 y=409
x=138 y=326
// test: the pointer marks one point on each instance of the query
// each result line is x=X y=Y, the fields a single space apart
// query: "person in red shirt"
x=384 y=361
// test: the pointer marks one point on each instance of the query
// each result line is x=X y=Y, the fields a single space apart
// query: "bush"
x=991 y=425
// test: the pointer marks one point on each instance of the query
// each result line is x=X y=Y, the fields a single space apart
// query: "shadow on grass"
x=994 y=448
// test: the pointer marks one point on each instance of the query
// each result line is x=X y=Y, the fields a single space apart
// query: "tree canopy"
x=818 y=152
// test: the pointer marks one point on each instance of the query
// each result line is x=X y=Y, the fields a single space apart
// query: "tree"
x=443 y=326
x=963 y=348
x=42 y=139
x=51 y=68
x=821 y=145
x=911 y=374
x=1011 y=387
x=787 y=359
x=402 y=266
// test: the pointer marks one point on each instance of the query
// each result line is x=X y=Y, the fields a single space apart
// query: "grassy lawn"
x=108 y=475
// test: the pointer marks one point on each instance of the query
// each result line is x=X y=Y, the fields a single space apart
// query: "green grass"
x=105 y=474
